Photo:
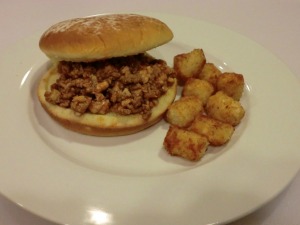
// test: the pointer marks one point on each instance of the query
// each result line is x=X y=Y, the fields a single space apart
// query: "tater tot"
x=185 y=144
x=224 y=108
x=200 y=88
x=189 y=65
x=183 y=111
x=210 y=73
x=217 y=132
x=231 y=84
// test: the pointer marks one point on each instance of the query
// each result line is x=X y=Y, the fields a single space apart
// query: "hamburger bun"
x=100 y=38
x=110 y=124
x=105 y=36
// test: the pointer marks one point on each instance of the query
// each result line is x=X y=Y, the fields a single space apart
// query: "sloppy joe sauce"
x=123 y=85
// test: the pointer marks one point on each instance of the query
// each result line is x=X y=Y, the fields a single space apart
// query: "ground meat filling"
x=124 y=85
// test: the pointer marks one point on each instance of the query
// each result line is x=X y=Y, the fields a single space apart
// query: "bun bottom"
x=110 y=124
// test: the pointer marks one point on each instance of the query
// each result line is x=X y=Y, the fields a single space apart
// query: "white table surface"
x=275 y=24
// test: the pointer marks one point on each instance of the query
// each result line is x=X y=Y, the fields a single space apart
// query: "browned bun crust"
x=105 y=36
x=110 y=124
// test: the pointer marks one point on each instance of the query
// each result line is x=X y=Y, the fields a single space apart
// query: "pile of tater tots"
x=208 y=109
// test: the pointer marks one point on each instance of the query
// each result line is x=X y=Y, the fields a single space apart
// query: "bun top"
x=104 y=36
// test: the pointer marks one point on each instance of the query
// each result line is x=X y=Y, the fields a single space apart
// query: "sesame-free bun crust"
x=110 y=124
x=104 y=36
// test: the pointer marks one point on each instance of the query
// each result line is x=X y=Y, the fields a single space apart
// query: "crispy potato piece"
x=231 y=84
x=217 y=132
x=210 y=73
x=189 y=65
x=183 y=111
x=186 y=144
x=224 y=108
x=200 y=88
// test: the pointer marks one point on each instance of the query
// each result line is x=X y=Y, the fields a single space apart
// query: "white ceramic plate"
x=74 y=179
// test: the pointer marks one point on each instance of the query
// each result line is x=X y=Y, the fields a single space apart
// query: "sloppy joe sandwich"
x=102 y=81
